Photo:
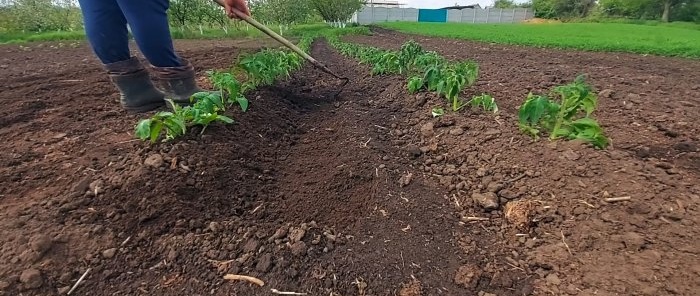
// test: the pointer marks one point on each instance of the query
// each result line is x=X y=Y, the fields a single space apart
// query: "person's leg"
x=148 y=20
x=105 y=27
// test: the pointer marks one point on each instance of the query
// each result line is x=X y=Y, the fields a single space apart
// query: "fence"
x=369 y=15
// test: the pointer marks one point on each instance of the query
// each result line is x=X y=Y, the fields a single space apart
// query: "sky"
x=444 y=3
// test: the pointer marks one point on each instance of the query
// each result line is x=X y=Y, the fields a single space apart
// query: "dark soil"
x=356 y=193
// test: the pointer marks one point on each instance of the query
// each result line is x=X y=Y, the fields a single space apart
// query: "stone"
x=154 y=160
x=97 y=187
x=457 y=131
x=109 y=253
x=414 y=151
x=494 y=187
x=468 y=276
x=633 y=241
x=31 y=278
x=214 y=226
x=280 y=233
x=63 y=290
x=427 y=130
x=4 y=285
x=492 y=132
x=29 y=256
x=488 y=201
x=298 y=248
x=420 y=100
x=251 y=246
x=172 y=255
x=82 y=186
x=296 y=234
x=553 y=279
x=264 y=263
x=405 y=180
x=571 y=155
x=606 y=93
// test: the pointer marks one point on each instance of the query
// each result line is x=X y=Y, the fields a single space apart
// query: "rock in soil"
x=571 y=155
x=82 y=186
x=109 y=253
x=553 y=279
x=298 y=248
x=488 y=201
x=4 y=285
x=251 y=246
x=296 y=234
x=405 y=180
x=31 y=278
x=427 y=130
x=63 y=290
x=420 y=100
x=154 y=160
x=264 y=263
x=280 y=233
x=468 y=276
x=411 y=289
x=606 y=93
x=457 y=131
x=29 y=256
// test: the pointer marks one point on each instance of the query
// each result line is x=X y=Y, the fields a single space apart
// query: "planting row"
x=257 y=69
x=563 y=113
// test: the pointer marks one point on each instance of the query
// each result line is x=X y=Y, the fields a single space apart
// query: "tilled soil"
x=360 y=192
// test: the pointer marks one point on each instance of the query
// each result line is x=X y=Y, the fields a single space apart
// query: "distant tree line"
x=664 y=10
x=64 y=15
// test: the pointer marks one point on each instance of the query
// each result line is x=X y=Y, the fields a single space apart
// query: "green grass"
x=20 y=37
x=612 y=37
x=176 y=33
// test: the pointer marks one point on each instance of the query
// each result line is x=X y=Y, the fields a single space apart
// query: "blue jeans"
x=106 y=29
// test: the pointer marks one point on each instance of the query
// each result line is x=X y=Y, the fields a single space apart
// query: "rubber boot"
x=138 y=94
x=178 y=83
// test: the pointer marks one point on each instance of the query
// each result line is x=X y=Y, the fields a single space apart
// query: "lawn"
x=643 y=39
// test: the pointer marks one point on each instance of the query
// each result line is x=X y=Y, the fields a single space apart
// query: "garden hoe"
x=286 y=43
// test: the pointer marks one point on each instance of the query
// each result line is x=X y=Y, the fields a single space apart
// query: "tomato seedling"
x=565 y=113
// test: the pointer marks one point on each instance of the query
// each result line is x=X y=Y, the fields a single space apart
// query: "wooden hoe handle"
x=280 y=39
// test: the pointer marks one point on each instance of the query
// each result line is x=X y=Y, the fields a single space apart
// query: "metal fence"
x=369 y=15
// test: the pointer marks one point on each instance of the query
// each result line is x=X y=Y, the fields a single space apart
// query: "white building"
x=383 y=3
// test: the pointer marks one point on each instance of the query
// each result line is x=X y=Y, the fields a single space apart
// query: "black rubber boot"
x=178 y=83
x=138 y=94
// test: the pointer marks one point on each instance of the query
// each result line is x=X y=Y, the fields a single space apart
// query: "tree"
x=284 y=12
x=504 y=4
x=562 y=8
x=336 y=10
x=666 y=10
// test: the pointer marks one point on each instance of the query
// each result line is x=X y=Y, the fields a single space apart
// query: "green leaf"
x=155 y=130
x=143 y=129
x=534 y=109
x=437 y=111
x=224 y=119
x=198 y=96
x=176 y=124
x=415 y=83
x=243 y=102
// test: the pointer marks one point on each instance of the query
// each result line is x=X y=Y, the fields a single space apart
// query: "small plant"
x=486 y=102
x=437 y=111
x=260 y=68
x=565 y=113
x=415 y=83
x=426 y=69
